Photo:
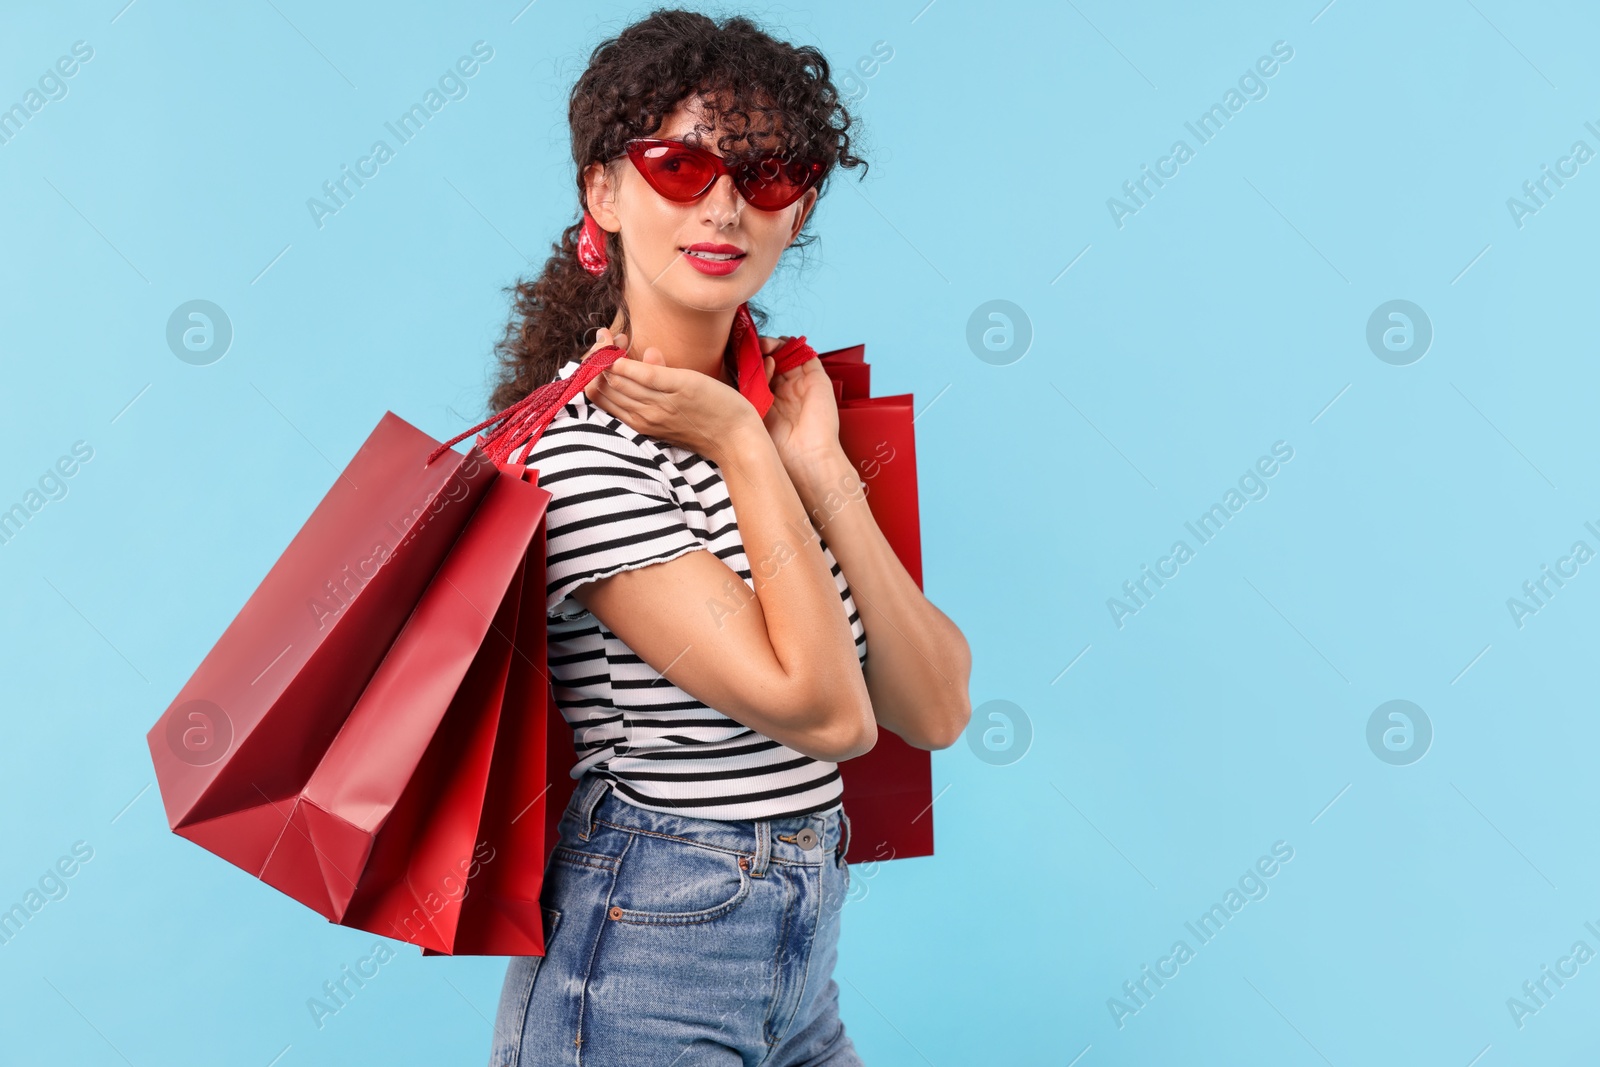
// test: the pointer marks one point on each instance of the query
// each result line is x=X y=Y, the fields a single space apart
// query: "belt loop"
x=844 y=834
x=758 y=866
x=588 y=801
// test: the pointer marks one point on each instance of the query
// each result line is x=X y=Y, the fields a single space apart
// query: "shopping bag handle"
x=789 y=355
x=523 y=422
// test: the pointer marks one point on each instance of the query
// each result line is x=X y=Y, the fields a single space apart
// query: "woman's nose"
x=723 y=203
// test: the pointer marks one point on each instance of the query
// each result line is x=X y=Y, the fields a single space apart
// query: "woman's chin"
x=711 y=295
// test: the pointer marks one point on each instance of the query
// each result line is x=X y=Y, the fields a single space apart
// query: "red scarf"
x=744 y=346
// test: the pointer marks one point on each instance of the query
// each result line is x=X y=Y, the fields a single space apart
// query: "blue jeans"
x=674 y=941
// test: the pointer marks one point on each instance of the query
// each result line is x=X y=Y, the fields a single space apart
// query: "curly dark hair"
x=634 y=81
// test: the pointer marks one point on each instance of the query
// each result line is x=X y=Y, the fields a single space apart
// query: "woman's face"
x=657 y=233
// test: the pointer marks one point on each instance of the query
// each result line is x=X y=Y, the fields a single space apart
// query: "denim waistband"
x=780 y=840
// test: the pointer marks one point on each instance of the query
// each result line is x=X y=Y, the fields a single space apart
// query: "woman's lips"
x=714 y=259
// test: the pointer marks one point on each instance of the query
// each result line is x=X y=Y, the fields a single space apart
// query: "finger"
x=632 y=410
x=627 y=386
x=605 y=392
x=768 y=363
x=652 y=373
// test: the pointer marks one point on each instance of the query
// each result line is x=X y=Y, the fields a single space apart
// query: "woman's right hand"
x=683 y=407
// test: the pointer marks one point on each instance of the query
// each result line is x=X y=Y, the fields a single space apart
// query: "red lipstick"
x=714 y=259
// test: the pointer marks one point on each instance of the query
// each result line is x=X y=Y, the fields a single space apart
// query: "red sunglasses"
x=683 y=173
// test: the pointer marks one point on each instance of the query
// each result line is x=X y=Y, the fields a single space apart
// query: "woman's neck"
x=695 y=340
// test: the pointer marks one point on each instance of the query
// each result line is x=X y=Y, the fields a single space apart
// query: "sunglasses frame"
x=743 y=172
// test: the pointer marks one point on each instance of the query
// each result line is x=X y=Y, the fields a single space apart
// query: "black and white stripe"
x=622 y=500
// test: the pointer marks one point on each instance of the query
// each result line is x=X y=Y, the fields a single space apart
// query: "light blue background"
x=1227 y=314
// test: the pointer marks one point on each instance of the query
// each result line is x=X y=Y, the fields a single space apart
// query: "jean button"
x=806 y=839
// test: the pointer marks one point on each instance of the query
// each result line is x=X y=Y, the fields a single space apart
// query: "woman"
x=692 y=903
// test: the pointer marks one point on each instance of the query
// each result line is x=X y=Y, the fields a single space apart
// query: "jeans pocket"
x=667 y=881
x=599 y=850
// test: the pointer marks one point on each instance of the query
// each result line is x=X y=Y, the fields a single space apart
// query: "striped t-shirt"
x=621 y=500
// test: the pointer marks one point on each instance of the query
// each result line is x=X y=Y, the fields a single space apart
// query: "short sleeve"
x=611 y=509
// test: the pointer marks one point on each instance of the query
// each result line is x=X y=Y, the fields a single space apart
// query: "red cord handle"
x=791 y=354
x=523 y=422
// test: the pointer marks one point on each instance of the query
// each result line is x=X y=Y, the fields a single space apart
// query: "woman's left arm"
x=918 y=662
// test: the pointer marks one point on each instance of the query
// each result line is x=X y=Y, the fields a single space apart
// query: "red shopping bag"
x=443 y=859
x=344 y=737
x=888 y=792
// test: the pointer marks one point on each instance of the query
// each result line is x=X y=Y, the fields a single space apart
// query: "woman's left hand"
x=803 y=421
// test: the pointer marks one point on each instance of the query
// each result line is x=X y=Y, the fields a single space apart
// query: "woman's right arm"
x=783 y=660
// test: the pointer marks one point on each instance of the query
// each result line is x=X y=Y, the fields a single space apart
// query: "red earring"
x=592 y=246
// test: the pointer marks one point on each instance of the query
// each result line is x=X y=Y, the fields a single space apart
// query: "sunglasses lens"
x=684 y=173
x=676 y=172
x=770 y=183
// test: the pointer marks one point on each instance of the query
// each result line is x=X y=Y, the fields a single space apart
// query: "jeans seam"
x=777 y=971
x=594 y=952
x=672 y=837
x=805 y=974
x=573 y=857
